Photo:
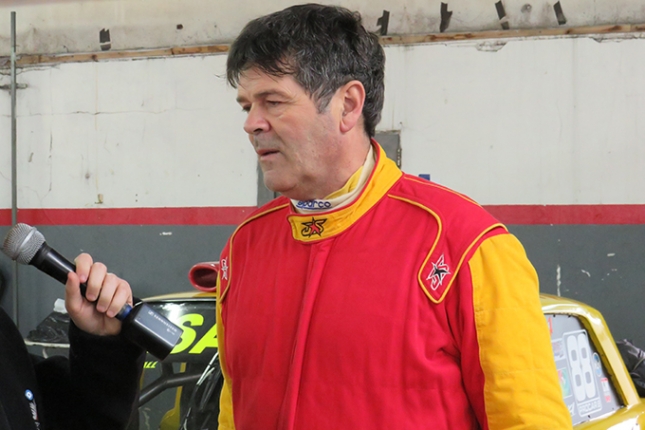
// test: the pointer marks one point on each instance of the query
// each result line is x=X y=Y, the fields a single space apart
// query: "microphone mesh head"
x=22 y=243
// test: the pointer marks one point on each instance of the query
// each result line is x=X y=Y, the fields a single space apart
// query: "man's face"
x=298 y=148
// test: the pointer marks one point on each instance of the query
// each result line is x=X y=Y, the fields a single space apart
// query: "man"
x=97 y=387
x=363 y=297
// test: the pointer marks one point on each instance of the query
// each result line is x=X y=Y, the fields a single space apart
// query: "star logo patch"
x=439 y=271
x=313 y=227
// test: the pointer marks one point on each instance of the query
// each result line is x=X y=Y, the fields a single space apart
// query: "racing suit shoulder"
x=461 y=225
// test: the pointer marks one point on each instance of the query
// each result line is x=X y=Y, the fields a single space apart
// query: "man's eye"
x=246 y=109
x=273 y=102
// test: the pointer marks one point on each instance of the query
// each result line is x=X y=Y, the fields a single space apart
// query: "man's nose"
x=255 y=121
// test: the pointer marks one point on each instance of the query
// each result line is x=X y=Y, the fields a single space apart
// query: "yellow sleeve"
x=521 y=387
x=226 y=399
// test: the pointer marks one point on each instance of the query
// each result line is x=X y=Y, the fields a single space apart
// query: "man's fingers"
x=83 y=265
x=120 y=298
x=108 y=292
x=97 y=274
x=108 y=288
x=112 y=293
x=73 y=298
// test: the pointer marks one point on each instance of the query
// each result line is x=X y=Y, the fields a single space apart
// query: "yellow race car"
x=596 y=386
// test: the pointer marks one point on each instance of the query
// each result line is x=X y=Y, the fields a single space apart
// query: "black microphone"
x=140 y=323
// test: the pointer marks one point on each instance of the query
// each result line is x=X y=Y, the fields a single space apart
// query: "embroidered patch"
x=223 y=267
x=439 y=271
x=313 y=227
x=435 y=277
x=224 y=273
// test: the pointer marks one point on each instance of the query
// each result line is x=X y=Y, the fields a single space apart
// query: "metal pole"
x=14 y=157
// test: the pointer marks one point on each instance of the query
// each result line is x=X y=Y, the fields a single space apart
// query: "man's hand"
x=108 y=291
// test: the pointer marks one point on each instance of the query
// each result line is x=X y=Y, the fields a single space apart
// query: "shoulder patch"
x=224 y=274
x=439 y=269
x=436 y=276
x=461 y=223
x=224 y=269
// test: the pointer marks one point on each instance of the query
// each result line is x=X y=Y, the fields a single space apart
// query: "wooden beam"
x=413 y=39
x=38 y=59
x=409 y=39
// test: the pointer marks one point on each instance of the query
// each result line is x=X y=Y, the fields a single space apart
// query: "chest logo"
x=313 y=227
x=439 y=271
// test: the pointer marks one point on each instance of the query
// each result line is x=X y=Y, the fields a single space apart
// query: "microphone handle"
x=55 y=265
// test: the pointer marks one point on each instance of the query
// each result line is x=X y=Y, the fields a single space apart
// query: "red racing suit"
x=411 y=308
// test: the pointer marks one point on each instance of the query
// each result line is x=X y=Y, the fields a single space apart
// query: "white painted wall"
x=55 y=26
x=558 y=121
x=150 y=133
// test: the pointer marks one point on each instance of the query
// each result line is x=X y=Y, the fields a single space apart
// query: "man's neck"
x=354 y=158
x=343 y=196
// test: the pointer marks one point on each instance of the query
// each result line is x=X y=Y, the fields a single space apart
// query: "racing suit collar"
x=315 y=226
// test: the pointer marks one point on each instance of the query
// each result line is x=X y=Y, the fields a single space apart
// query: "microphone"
x=140 y=323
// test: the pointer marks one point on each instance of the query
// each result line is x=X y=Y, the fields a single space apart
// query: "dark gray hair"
x=322 y=47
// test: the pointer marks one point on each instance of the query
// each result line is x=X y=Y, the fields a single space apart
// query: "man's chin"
x=277 y=186
x=287 y=190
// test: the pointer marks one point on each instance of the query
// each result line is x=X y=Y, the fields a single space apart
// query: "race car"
x=596 y=385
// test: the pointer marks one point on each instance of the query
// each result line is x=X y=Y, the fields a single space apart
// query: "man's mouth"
x=266 y=152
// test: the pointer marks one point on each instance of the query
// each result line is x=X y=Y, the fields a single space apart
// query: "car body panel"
x=632 y=414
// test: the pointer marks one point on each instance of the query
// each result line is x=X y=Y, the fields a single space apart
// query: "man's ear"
x=353 y=99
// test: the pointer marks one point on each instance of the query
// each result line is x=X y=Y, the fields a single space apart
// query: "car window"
x=587 y=388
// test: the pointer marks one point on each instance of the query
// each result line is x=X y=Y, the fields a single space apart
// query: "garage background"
x=130 y=143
